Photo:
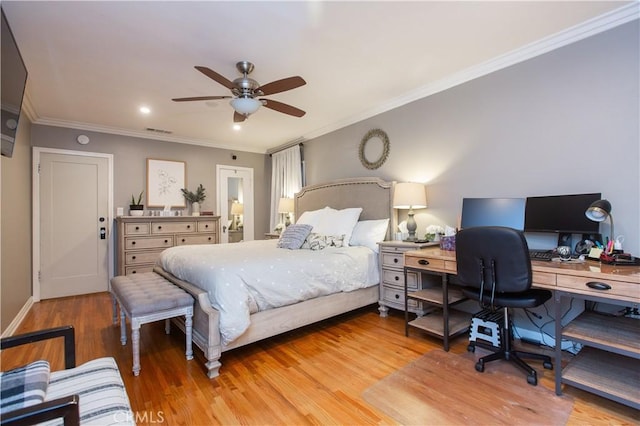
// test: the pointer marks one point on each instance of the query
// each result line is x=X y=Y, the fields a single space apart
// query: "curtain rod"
x=283 y=147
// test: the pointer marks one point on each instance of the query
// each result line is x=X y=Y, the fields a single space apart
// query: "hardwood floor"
x=315 y=375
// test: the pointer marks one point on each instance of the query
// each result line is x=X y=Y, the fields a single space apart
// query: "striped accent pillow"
x=103 y=398
x=293 y=237
x=24 y=386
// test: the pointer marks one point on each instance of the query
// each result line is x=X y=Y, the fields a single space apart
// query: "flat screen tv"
x=13 y=75
x=560 y=213
x=507 y=212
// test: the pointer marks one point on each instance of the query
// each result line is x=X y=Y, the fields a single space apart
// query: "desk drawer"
x=615 y=288
x=396 y=278
x=544 y=278
x=148 y=242
x=430 y=264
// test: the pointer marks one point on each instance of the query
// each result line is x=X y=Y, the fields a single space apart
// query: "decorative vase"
x=195 y=208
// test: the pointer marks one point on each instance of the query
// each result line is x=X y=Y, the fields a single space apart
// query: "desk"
x=609 y=363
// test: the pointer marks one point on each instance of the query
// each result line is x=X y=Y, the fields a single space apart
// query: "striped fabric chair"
x=90 y=394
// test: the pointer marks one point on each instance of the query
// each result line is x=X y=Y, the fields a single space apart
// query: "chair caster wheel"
x=547 y=365
x=479 y=367
x=471 y=348
x=532 y=380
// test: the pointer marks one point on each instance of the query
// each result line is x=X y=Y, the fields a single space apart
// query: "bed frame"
x=374 y=196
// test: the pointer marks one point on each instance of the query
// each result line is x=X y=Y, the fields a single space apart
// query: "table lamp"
x=286 y=206
x=237 y=209
x=409 y=195
x=598 y=211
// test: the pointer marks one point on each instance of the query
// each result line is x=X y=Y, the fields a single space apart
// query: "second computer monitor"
x=507 y=212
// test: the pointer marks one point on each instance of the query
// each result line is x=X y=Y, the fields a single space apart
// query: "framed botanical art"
x=165 y=179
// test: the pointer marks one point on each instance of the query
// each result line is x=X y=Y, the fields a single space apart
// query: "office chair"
x=494 y=268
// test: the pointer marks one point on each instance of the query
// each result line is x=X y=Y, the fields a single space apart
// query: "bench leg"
x=167 y=326
x=123 y=327
x=188 y=330
x=135 y=344
x=114 y=309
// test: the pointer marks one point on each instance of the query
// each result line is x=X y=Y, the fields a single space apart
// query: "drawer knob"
x=137 y=228
x=159 y=227
x=598 y=286
x=183 y=240
x=133 y=243
x=397 y=278
x=133 y=257
x=423 y=262
x=395 y=260
x=188 y=226
x=206 y=226
x=133 y=272
x=166 y=241
x=397 y=296
x=209 y=238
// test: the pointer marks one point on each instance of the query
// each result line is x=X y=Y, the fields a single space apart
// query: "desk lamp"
x=286 y=206
x=409 y=195
x=598 y=211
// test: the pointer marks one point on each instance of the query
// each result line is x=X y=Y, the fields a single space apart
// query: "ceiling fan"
x=246 y=91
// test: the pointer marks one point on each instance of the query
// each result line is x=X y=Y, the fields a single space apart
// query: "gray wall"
x=15 y=254
x=562 y=123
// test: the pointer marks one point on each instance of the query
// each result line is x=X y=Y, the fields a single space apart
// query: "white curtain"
x=286 y=180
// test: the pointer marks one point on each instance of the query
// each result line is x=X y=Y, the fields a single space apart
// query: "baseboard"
x=19 y=318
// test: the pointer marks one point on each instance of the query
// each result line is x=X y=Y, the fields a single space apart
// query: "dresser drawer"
x=392 y=259
x=396 y=278
x=139 y=257
x=138 y=269
x=172 y=227
x=395 y=295
x=182 y=240
x=207 y=226
x=133 y=243
x=137 y=228
x=608 y=287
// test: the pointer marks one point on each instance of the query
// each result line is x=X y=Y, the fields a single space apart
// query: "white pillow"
x=312 y=217
x=338 y=222
x=369 y=232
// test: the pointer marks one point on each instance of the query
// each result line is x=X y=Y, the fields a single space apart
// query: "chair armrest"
x=66 y=407
x=66 y=331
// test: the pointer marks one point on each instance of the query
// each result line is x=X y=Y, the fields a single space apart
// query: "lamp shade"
x=285 y=205
x=598 y=210
x=409 y=195
x=245 y=106
x=237 y=208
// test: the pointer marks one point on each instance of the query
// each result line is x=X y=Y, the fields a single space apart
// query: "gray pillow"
x=293 y=237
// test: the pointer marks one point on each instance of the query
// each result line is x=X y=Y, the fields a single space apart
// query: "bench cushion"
x=146 y=293
x=102 y=395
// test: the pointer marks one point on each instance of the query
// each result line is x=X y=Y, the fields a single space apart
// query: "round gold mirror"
x=375 y=144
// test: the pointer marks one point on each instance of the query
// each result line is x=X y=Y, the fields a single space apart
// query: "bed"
x=373 y=195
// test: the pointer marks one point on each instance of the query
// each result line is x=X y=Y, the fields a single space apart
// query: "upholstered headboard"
x=374 y=195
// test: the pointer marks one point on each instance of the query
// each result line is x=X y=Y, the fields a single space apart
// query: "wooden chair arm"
x=66 y=407
x=67 y=332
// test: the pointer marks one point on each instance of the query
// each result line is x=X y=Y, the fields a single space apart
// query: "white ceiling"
x=93 y=64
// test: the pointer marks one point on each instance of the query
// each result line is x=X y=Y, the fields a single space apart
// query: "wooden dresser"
x=141 y=239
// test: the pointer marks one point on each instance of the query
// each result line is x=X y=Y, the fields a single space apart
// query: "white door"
x=235 y=184
x=73 y=224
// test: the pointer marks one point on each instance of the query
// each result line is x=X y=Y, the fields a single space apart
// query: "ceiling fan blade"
x=281 y=107
x=200 y=98
x=238 y=118
x=215 y=76
x=282 y=85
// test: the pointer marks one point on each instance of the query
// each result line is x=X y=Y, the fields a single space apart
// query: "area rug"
x=443 y=388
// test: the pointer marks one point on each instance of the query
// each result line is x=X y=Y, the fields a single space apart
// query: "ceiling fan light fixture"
x=245 y=106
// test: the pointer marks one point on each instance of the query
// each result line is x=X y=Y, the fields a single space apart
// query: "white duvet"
x=242 y=276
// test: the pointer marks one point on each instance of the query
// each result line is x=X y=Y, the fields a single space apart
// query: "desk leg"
x=406 y=306
x=445 y=312
x=557 y=296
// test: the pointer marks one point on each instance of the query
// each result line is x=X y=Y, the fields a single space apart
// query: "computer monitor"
x=507 y=212
x=560 y=213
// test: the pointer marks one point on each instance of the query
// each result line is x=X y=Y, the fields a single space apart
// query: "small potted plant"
x=136 y=208
x=195 y=198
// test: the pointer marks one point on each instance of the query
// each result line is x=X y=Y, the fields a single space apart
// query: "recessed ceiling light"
x=237 y=127
x=145 y=110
